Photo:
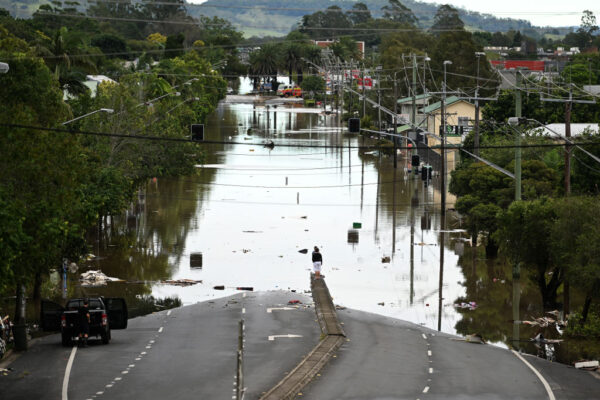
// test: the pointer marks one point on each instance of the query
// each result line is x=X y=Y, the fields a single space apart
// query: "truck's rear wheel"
x=66 y=339
x=105 y=336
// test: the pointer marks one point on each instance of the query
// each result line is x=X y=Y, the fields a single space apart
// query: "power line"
x=208 y=142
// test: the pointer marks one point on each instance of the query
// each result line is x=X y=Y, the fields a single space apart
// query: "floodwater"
x=250 y=209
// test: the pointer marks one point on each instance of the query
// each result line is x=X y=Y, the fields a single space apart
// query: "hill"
x=273 y=17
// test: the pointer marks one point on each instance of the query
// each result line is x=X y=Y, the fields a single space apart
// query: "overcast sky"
x=539 y=12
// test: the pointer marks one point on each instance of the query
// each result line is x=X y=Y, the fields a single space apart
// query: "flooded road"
x=242 y=219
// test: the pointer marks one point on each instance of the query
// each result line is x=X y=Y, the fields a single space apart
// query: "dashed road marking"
x=270 y=310
x=131 y=365
x=243 y=310
x=431 y=370
x=429 y=353
x=426 y=389
x=272 y=337
x=109 y=385
x=160 y=329
x=118 y=378
x=424 y=336
x=143 y=353
x=168 y=312
x=124 y=372
x=99 y=393
x=65 y=387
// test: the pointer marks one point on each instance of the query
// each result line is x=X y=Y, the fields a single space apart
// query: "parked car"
x=105 y=314
x=289 y=91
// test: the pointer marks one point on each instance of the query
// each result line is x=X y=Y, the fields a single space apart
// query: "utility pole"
x=518 y=114
x=443 y=149
x=395 y=120
x=413 y=116
x=378 y=97
x=362 y=74
x=476 y=150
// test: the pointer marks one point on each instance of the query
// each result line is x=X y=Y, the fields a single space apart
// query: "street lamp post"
x=107 y=110
x=443 y=150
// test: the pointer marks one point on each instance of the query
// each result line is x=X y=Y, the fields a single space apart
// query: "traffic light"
x=415 y=160
x=197 y=132
x=354 y=125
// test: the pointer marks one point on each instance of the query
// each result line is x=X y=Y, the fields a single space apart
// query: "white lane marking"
x=168 y=312
x=243 y=310
x=99 y=393
x=148 y=347
x=160 y=329
x=289 y=335
x=152 y=341
x=109 y=385
x=244 y=294
x=426 y=389
x=118 y=378
x=269 y=310
x=431 y=370
x=143 y=352
x=540 y=377
x=125 y=372
x=65 y=386
x=138 y=358
x=429 y=353
x=131 y=365
x=424 y=336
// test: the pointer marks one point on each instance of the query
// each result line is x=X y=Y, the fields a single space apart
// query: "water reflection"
x=250 y=208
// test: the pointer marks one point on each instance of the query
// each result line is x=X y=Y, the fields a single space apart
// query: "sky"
x=539 y=12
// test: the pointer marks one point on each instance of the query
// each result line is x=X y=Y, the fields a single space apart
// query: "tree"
x=523 y=232
x=398 y=12
x=323 y=24
x=446 y=19
x=264 y=62
x=112 y=45
x=359 y=13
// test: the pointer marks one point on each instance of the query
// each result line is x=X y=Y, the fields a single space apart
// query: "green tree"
x=398 y=12
x=447 y=19
x=359 y=13
x=523 y=232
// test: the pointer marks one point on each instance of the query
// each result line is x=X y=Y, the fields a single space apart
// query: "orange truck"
x=289 y=91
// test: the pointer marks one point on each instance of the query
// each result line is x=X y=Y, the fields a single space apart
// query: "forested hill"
x=270 y=17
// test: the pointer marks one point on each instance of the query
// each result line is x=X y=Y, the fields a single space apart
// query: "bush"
x=590 y=329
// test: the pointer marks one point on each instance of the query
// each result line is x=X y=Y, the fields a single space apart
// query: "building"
x=406 y=108
x=459 y=115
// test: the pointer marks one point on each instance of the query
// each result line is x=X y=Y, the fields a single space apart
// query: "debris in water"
x=385 y=259
x=196 y=260
x=96 y=278
x=588 y=365
x=180 y=282
x=381 y=304
x=294 y=302
x=470 y=305
x=303 y=251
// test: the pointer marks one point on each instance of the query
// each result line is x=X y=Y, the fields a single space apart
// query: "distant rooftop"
x=433 y=107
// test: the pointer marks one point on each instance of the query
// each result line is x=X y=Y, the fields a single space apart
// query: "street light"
x=478 y=54
x=4 y=68
x=107 y=110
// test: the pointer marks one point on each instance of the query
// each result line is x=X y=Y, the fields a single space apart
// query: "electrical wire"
x=209 y=142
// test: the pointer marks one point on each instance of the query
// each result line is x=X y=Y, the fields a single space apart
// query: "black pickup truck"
x=105 y=314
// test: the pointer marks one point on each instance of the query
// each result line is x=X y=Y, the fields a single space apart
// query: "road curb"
x=310 y=365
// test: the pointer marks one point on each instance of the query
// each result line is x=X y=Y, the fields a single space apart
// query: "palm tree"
x=69 y=57
x=264 y=62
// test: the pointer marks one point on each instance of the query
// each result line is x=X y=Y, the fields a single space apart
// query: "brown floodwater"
x=243 y=217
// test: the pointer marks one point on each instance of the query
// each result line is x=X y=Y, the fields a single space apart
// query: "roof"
x=403 y=128
x=450 y=100
x=418 y=97
x=576 y=129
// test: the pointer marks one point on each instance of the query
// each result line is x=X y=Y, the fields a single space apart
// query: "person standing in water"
x=317 y=259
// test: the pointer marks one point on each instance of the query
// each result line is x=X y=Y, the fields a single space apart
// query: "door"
x=50 y=316
x=116 y=308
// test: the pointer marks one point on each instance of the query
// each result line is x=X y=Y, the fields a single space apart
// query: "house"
x=459 y=114
x=92 y=82
x=405 y=104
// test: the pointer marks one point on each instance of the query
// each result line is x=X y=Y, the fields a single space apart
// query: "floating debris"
x=196 y=260
x=385 y=259
x=180 y=282
x=96 y=278
x=470 y=305
x=303 y=251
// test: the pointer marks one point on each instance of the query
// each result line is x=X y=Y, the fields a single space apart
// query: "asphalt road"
x=190 y=353
x=185 y=353
x=387 y=359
